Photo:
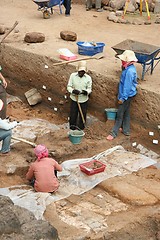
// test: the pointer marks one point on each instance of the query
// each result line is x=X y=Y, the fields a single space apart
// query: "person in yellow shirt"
x=80 y=87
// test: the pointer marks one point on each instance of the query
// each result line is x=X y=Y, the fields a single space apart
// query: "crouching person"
x=5 y=132
x=42 y=173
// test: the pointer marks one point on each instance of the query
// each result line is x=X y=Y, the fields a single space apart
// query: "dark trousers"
x=67 y=5
x=76 y=121
x=123 y=118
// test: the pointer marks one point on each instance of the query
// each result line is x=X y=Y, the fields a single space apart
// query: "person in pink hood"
x=43 y=171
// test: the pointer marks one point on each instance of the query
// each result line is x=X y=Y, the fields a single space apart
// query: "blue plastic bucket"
x=75 y=136
x=111 y=113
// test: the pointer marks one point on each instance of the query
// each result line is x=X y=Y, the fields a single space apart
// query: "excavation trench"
x=28 y=70
x=25 y=70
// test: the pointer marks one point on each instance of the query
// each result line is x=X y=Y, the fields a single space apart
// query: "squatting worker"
x=3 y=86
x=42 y=173
x=5 y=132
x=79 y=86
x=127 y=91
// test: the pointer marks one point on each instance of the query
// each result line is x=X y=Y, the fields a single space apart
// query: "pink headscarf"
x=41 y=151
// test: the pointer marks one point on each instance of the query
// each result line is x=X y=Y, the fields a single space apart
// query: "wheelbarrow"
x=46 y=6
x=146 y=54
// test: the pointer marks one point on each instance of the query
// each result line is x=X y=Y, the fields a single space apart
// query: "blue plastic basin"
x=111 y=113
x=90 y=50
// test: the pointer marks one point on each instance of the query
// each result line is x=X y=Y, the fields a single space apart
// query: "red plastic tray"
x=92 y=167
x=68 y=58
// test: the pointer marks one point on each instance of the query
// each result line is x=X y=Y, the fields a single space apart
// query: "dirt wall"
x=27 y=70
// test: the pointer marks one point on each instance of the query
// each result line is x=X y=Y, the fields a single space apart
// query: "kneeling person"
x=42 y=171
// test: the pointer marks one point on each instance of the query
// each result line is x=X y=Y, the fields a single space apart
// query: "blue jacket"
x=128 y=83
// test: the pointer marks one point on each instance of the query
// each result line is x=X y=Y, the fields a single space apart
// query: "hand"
x=76 y=92
x=4 y=83
x=84 y=92
x=120 y=102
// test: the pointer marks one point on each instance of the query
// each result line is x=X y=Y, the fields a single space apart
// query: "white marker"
x=151 y=133
x=55 y=109
x=44 y=87
x=46 y=66
x=155 y=141
x=134 y=144
x=49 y=99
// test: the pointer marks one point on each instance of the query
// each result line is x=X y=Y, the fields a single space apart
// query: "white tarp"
x=72 y=181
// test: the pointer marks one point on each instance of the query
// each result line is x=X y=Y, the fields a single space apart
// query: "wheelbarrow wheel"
x=46 y=14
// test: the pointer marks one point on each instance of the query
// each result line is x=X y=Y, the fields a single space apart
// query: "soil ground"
x=88 y=26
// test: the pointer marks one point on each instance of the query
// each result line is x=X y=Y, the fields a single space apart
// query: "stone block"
x=68 y=35
x=34 y=37
x=2 y=29
x=33 y=96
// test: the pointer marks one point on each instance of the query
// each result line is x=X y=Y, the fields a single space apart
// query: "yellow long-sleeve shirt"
x=79 y=83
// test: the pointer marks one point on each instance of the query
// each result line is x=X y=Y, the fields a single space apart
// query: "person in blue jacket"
x=127 y=91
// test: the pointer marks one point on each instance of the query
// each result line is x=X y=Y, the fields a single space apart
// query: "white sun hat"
x=128 y=56
x=82 y=66
x=1 y=104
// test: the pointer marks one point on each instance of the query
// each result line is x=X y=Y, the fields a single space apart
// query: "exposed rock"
x=131 y=8
x=117 y=4
x=9 y=222
x=2 y=29
x=112 y=17
x=68 y=35
x=23 y=214
x=34 y=37
x=39 y=229
x=123 y=21
x=17 y=223
x=119 y=13
x=157 y=21
x=5 y=201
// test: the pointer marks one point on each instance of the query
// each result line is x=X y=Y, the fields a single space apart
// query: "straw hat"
x=1 y=104
x=128 y=56
x=82 y=66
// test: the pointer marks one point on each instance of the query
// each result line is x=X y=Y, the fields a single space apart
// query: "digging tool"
x=12 y=28
x=96 y=56
x=80 y=109
x=51 y=152
x=25 y=141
